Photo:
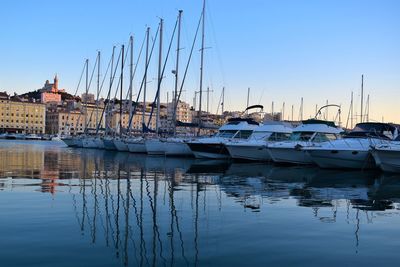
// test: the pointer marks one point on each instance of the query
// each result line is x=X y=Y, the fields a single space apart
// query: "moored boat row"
x=368 y=145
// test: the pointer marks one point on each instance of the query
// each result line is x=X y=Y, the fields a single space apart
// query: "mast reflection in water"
x=71 y=207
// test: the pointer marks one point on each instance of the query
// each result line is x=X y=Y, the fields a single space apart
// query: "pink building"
x=50 y=92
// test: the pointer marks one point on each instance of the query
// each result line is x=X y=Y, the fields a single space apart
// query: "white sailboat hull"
x=121 y=145
x=154 y=147
x=99 y=143
x=69 y=141
x=177 y=148
x=78 y=142
x=89 y=143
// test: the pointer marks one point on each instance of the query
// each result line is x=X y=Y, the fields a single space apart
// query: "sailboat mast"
x=111 y=81
x=86 y=91
x=248 y=97
x=223 y=99
x=292 y=112
x=98 y=87
x=159 y=76
x=202 y=60
x=272 y=110
x=130 y=83
x=120 y=93
x=367 y=109
x=177 y=71
x=145 y=76
x=351 y=117
x=301 y=109
x=362 y=96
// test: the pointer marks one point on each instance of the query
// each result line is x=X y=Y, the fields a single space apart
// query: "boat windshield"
x=227 y=133
x=279 y=137
x=243 y=134
x=260 y=135
x=301 y=136
x=323 y=137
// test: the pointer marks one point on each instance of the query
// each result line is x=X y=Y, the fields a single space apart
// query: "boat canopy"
x=236 y=121
x=316 y=121
x=374 y=129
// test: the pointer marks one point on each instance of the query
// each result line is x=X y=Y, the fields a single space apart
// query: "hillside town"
x=51 y=110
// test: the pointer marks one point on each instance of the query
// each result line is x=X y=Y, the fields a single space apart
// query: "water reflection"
x=153 y=211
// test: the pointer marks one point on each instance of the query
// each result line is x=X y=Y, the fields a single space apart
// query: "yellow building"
x=136 y=124
x=73 y=122
x=22 y=116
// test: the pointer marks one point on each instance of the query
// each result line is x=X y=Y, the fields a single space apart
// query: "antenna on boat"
x=283 y=111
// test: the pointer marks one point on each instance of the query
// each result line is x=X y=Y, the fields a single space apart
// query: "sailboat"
x=177 y=145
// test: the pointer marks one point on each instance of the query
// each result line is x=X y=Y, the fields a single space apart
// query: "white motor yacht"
x=255 y=147
x=306 y=134
x=214 y=147
x=353 y=151
x=387 y=156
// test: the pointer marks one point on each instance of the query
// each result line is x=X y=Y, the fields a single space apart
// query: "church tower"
x=55 y=86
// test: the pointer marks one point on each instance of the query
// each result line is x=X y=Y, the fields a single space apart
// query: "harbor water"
x=62 y=206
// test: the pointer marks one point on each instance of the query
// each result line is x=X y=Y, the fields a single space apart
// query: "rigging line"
x=101 y=89
x=106 y=106
x=91 y=115
x=162 y=72
x=219 y=102
x=94 y=69
x=187 y=65
x=76 y=91
x=137 y=61
x=87 y=91
x=216 y=43
x=131 y=79
x=144 y=76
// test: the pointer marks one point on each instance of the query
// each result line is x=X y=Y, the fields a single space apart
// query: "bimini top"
x=236 y=121
x=316 y=121
x=275 y=126
x=374 y=129
x=321 y=126
x=236 y=124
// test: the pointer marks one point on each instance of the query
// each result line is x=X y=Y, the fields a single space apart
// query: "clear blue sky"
x=282 y=50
